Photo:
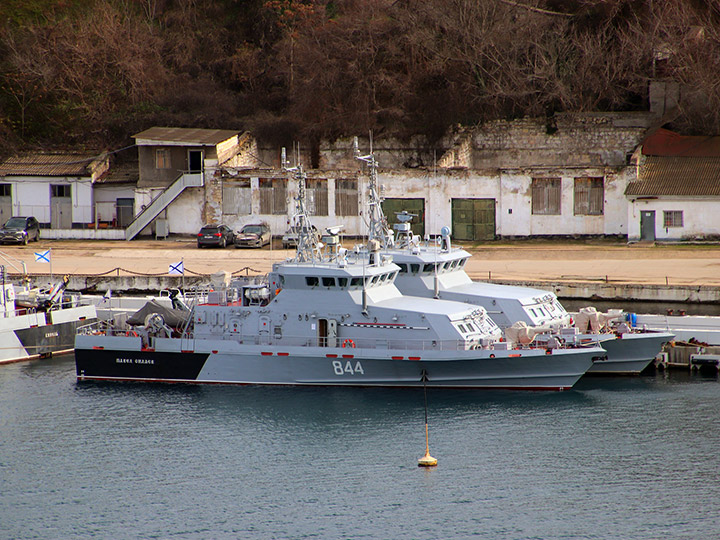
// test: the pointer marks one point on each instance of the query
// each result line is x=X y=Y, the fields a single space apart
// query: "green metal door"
x=412 y=206
x=473 y=219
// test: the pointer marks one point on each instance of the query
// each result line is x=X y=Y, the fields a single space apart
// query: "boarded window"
x=546 y=196
x=346 y=197
x=162 y=158
x=317 y=197
x=237 y=197
x=672 y=218
x=272 y=196
x=589 y=196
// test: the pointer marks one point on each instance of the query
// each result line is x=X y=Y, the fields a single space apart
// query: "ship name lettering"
x=51 y=334
x=123 y=360
x=348 y=368
x=144 y=361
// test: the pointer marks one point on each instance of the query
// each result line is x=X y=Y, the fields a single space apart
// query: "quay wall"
x=625 y=292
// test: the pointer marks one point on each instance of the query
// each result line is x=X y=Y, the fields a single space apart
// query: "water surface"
x=628 y=458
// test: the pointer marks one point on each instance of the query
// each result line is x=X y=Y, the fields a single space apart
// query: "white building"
x=57 y=189
x=676 y=192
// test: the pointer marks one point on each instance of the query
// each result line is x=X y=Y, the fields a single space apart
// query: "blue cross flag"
x=176 y=268
x=42 y=257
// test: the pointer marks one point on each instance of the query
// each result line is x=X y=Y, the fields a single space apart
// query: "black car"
x=20 y=230
x=215 y=235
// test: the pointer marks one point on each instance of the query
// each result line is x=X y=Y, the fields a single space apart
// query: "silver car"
x=255 y=235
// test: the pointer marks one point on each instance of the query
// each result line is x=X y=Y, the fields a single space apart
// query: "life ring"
x=349 y=343
x=131 y=333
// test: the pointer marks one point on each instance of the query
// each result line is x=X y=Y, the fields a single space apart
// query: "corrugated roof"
x=667 y=143
x=195 y=136
x=677 y=176
x=47 y=165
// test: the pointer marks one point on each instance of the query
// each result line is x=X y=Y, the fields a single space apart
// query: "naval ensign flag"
x=176 y=268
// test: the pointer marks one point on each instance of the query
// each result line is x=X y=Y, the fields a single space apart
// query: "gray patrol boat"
x=326 y=317
x=436 y=270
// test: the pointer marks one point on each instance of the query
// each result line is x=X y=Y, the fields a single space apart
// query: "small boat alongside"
x=36 y=323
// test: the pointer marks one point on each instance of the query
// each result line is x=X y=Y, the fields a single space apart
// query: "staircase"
x=161 y=202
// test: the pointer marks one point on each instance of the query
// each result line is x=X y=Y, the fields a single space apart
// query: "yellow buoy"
x=427 y=460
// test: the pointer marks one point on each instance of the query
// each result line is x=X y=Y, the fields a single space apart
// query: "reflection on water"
x=614 y=458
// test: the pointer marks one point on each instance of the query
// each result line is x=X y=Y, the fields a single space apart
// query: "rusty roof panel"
x=186 y=136
x=667 y=143
x=64 y=164
x=677 y=176
x=123 y=173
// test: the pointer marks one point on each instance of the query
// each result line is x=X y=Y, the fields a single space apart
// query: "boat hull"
x=123 y=359
x=25 y=337
x=630 y=354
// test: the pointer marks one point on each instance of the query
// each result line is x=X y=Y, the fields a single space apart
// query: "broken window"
x=272 y=196
x=317 y=197
x=672 y=218
x=237 y=197
x=546 y=196
x=589 y=196
x=346 y=197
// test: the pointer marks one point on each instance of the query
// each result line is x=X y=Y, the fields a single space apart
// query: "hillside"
x=93 y=72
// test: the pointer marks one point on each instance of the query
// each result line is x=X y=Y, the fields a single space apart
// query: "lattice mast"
x=378 y=229
x=308 y=248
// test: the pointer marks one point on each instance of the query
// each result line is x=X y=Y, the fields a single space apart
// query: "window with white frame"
x=672 y=218
x=546 y=196
x=589 y=196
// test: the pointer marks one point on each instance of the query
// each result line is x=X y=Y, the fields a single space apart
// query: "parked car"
x=20 y=230
x=290 y=238
x=215 y=235
x=254 y=235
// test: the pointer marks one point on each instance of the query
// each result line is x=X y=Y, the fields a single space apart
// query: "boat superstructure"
x=36 y=323
x=327 y=317
x=436 y=269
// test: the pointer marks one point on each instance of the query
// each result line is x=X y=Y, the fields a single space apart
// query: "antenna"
x=378 y=227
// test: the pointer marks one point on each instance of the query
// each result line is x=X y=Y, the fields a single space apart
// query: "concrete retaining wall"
x=624 y=292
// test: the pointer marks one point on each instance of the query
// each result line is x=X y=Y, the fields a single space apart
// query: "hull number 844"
x=348 y=368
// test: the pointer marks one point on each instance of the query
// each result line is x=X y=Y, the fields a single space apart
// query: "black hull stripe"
x=44 y=340
x=139 y=365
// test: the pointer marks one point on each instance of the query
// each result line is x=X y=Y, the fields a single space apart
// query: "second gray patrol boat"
x=436 y=270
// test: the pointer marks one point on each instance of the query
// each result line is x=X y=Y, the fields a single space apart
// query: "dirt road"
x=527 y=260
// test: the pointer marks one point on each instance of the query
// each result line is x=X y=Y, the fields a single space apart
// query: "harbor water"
x=622 y=458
